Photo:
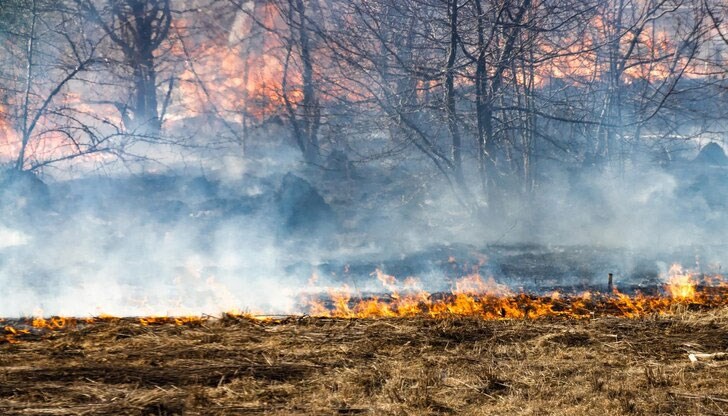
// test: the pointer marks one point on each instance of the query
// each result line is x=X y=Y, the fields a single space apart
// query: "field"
x=414 y=366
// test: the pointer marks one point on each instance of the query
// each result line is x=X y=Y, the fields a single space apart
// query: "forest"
x=259 y=144
x=344 y=207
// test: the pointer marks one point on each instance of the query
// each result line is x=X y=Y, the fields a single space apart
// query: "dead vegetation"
x=415 y=366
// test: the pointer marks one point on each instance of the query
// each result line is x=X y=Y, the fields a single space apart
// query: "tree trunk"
x=482 y=107
x=146 y=115
x=20 y=162
x=311 y=110
x=486 y=93
x=452 y=119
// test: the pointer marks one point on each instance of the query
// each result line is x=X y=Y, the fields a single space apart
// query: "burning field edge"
x=480 y=349
x=471 y=296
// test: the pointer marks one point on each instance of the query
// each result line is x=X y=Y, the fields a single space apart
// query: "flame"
x=233 y=75
x=471 y=296
x=388 y=282
x=474 y=296
x=680 y=284
x=238 y=75
x=12 y=334
x=473 y=284
x=176 y=320
x=581 y=61
x=53 y=323
x=9 y=138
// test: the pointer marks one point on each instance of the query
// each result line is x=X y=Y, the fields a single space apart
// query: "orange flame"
x=680 y=284
x=471 y=296
x=474 y=296
x=176 y=320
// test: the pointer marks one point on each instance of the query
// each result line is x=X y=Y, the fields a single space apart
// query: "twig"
x=698 y=397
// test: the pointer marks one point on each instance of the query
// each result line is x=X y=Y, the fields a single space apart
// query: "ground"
x=413 y=366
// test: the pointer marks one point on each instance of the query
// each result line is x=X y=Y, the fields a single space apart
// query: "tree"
x=48 y=41
x=138 y=28
x=305 y=116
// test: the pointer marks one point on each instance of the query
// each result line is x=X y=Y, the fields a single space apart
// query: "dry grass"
x=606 y=366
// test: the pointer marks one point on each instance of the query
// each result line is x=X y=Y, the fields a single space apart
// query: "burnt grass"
x=413 y=366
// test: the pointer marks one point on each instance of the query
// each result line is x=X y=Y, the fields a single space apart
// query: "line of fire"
x=222 y=207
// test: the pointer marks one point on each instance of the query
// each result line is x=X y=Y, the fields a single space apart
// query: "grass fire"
x=477 y=350
x=398 y=207
x=472 y=298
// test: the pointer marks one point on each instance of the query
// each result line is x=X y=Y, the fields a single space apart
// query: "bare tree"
x=138 y=28
x=50 y=44
x=305 y=116
x=453 y=9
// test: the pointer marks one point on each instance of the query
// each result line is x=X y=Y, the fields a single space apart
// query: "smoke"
x=142 y=245
x=636 y=210
x=12 y=238
x=126 y=267
x=235 y=239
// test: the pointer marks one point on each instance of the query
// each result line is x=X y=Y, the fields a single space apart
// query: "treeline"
x=490 y=93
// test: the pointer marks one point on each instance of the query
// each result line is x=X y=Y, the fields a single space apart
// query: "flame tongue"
x=680 y=284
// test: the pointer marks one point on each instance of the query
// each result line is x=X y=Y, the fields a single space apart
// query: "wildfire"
x=9 y=139
x=235 y=75
x=474 y=296
x=470 y=296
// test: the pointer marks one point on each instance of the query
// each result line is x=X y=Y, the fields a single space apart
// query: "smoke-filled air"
x=364 y=158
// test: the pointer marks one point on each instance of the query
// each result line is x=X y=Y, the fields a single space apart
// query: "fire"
x=238 y=74
x=9 y=138
x=176 y=320
x=472 y=295
x=680 y=284
x=235 y=75
x=53 y=323
x=581 y=61
x=12 y=334
x=473 y=284
x=387 y=281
